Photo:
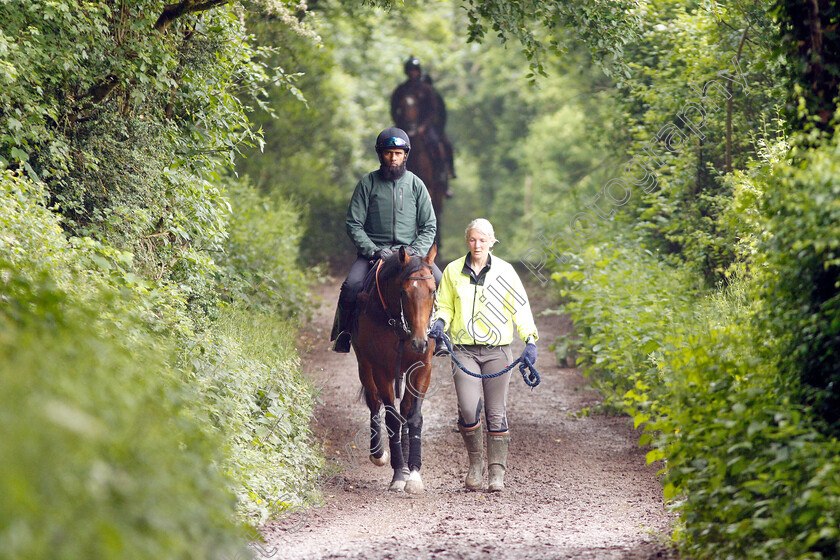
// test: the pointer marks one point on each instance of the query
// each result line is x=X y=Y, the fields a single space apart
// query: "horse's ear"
x=404 y=256
x=430 y=258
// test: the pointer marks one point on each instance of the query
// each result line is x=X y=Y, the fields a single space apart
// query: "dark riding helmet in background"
x=412 y=63
x=393 y=138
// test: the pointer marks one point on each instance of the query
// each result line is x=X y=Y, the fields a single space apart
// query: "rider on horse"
x=432 y=115
x=390 y=208
x=440 y=124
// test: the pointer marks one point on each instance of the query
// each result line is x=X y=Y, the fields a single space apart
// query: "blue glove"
x=437 y=330
x=530 y=353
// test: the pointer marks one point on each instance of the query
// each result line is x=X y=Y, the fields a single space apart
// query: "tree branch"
x=727 y=160
x=172 y=12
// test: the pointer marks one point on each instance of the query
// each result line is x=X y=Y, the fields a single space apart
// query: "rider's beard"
x=392 y=173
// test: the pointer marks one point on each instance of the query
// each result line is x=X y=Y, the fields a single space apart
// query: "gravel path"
x=577 y=487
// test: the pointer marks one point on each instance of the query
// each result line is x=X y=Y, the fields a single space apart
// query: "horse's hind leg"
x=378 y=453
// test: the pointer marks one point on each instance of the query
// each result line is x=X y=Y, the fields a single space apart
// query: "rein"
x=531 y=379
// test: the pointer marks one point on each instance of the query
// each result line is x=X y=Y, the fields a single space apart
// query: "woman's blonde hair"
x=484 y=226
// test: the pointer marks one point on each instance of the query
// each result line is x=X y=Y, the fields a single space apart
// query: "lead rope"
x=531 y=379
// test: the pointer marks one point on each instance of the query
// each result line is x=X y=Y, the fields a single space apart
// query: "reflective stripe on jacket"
x=484 y=314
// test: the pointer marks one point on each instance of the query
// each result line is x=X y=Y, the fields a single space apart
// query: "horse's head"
x=408 y=109
x=417 y=296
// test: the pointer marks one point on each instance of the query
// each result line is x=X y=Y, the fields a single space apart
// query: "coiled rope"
x=531 y=378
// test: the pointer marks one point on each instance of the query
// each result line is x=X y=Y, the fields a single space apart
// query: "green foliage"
x=808 y=45
x=129 y=116
x=604 y=27
x=102 y=440
x=247 y=372
x=682 y=49
x=260 y=263
x=801 y=280
x=748 y=470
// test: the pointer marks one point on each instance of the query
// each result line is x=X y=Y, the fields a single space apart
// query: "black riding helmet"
x=412 y=63
x=393 y=138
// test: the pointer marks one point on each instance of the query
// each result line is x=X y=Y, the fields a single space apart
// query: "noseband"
x=403 y=331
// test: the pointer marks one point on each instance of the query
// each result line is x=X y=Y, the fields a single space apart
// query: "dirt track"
x=577 y=488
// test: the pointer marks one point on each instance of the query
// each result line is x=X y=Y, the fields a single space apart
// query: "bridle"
x=401 y=328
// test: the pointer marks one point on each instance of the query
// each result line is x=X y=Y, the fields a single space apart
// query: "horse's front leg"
x=418 y=383
x=394 y=422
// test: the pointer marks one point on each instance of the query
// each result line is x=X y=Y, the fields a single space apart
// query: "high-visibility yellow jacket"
x=482 y=309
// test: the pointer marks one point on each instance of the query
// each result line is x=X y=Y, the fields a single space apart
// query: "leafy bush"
x=246 y=370
x=748 y=470
x=260 y=262
x=801 y=283
x=104 y=453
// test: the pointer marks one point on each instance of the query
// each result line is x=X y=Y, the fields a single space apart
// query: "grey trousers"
x=473 y=390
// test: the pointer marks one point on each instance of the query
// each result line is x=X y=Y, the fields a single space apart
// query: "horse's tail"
x=362 y=394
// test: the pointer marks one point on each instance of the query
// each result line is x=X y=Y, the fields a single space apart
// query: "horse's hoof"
x=398 y=481
x=414 y=485
x=382 y=461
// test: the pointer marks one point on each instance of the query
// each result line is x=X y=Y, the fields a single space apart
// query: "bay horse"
x=421 y=161
x=395 y=359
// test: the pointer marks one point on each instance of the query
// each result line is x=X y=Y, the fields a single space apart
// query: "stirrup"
x=342 y=343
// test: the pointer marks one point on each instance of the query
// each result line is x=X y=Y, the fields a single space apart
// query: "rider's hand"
x=437 y=330
x=383 y=253
x=530 y=353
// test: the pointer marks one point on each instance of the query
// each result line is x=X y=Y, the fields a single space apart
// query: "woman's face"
x=479 y=244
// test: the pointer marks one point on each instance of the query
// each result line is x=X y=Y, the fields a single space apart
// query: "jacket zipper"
x=472 y=313
x=394 y=217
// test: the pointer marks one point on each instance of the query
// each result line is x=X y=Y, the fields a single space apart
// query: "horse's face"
x=409 y=110
x=417 y=297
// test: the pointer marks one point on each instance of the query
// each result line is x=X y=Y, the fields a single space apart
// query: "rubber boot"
x=497 y=450
x=341 y=330
x=474 y=441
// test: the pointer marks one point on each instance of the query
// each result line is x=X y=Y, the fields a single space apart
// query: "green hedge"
x=744 y=464
x=104 y=455
x=134 y=431
x=800 y=260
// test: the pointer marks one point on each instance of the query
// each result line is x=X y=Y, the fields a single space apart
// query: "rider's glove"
x=530 y=353
x=383 y=253
x=437 y=330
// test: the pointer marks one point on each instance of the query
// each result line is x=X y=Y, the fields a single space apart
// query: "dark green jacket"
x=391 y=214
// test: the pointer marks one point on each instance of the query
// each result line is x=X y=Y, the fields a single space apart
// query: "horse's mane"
x=392 y=268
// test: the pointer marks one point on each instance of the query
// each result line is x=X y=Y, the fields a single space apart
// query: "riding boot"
x=341 y=329
x=474 y=441
x=497 y=450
